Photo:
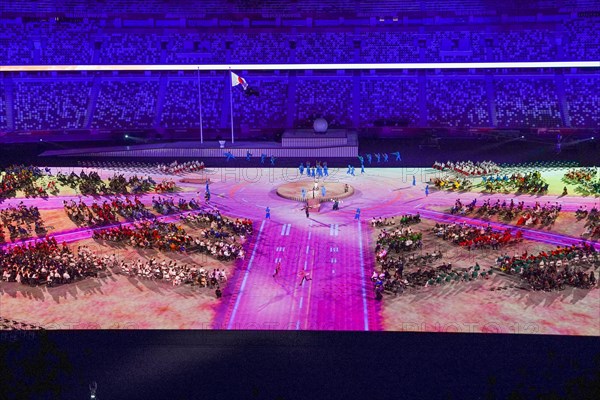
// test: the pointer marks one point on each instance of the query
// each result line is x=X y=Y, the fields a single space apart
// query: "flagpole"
x=231 y=103
x=200 y=106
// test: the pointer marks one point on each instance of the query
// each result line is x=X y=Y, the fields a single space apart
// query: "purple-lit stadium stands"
x=457 y=102
x=117 y=32
x=450 y=99
x=126 y=104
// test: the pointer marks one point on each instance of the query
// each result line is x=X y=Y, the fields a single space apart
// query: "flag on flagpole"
x=238 y=80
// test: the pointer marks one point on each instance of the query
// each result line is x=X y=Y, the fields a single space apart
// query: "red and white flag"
x=238 y=80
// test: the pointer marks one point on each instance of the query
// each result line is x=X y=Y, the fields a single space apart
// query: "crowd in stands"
x=126 y=104
x=48 y=104
x=527 y=102
x=556 y=269
x=476 y=237
x=19 y=219
x=450 y=100
x=468 y=168
x=21 y=177
x=581 y=41
x=176 y=168
x=387 y=47
x=378 y=94
x=181 y=107
x=334 y=47
x=582 y=97
x=457 y=103
x=327 y=98
x=48 y=262
x=105 y=213
x=15 y=46
x=268 y=108
x=131 y=48
x=273 y=47
x=196 y=47
x=81 y=42
x=543 y=215
x=67 y=43
x=3 y=119
x=523 y=45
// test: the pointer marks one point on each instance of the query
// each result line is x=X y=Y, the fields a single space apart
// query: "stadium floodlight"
x=93 y=388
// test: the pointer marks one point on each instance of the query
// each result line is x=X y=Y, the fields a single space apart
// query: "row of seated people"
x=405 y=219
x=580 y=175
x=106 y=212
x=543 y=214
x=555 y=269
x=397 y=264
x=399 y=240
x=166 y=205
x=219 y=226
x=592 y=224
x=7 y=324
x=24 y=178
x=440 y=275
x=92 y=184
x=476 y=237
x=19 y=219
x=176 y=168
x=48 y=262
x=166 y=186
x=468 y=168
x=452 y=183
x=173 y=272
x=530 y=182
x=172 y=237
x=585 y=179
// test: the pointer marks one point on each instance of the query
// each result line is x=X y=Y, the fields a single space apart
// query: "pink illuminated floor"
x=336 y=250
